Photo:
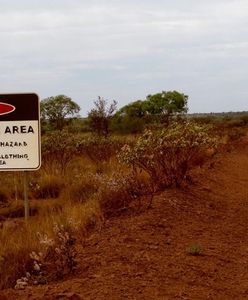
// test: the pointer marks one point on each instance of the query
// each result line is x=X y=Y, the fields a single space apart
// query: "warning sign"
x=19 y=132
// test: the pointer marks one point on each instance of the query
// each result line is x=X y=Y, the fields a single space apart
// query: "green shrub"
x=195 y=249
x=128 y=124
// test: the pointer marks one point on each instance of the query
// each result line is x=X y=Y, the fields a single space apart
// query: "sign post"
x=25 y=189
x=20 y=148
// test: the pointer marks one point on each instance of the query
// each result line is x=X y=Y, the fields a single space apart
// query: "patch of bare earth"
x=144 y=255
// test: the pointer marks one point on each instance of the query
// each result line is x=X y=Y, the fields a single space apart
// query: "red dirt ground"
x=144 y=255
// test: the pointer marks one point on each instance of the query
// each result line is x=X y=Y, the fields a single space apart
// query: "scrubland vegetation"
x=86 y=178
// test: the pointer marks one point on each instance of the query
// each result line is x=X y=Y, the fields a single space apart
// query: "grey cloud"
x=127 y=49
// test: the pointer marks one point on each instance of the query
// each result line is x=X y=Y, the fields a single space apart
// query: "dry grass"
x=74 y=208
x=19 y=239
x=49 y=186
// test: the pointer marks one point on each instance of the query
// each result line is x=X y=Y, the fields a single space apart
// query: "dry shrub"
x=82 y=188
x=113 y=196
x=4 y=196
x=84 y=218
x=11 y=186
x=14 y=254
x=59 y=148
x=235 y=133
x=232 y=129
x=119 y=190
x=168 y=155
x=18 y=244
x=245 y=120
x=49 y=207
x=58 y=255
x=15 y=209
x=100 y=149
x=47 y=187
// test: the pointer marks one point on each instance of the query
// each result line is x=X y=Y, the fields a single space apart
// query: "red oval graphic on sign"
x=6 y=108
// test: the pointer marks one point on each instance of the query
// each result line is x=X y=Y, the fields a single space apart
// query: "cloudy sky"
x=125 y=50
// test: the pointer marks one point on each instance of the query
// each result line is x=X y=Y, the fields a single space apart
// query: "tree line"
x=61 y=111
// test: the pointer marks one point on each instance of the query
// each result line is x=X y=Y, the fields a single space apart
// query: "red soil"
x=144 y=255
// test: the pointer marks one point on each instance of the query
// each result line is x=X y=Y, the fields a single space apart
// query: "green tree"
x=166 y=104
x=155 y=108
x=130 y=118
x=134 y=109
x=56 y=110
x=101 y=115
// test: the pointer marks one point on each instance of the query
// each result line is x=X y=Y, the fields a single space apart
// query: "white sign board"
x=19 y=132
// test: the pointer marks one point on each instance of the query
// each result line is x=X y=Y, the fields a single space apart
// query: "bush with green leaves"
x=195 y=249
x=169 y=154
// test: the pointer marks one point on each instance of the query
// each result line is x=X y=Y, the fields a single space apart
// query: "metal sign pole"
x=15 y=184
x=25 y=186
